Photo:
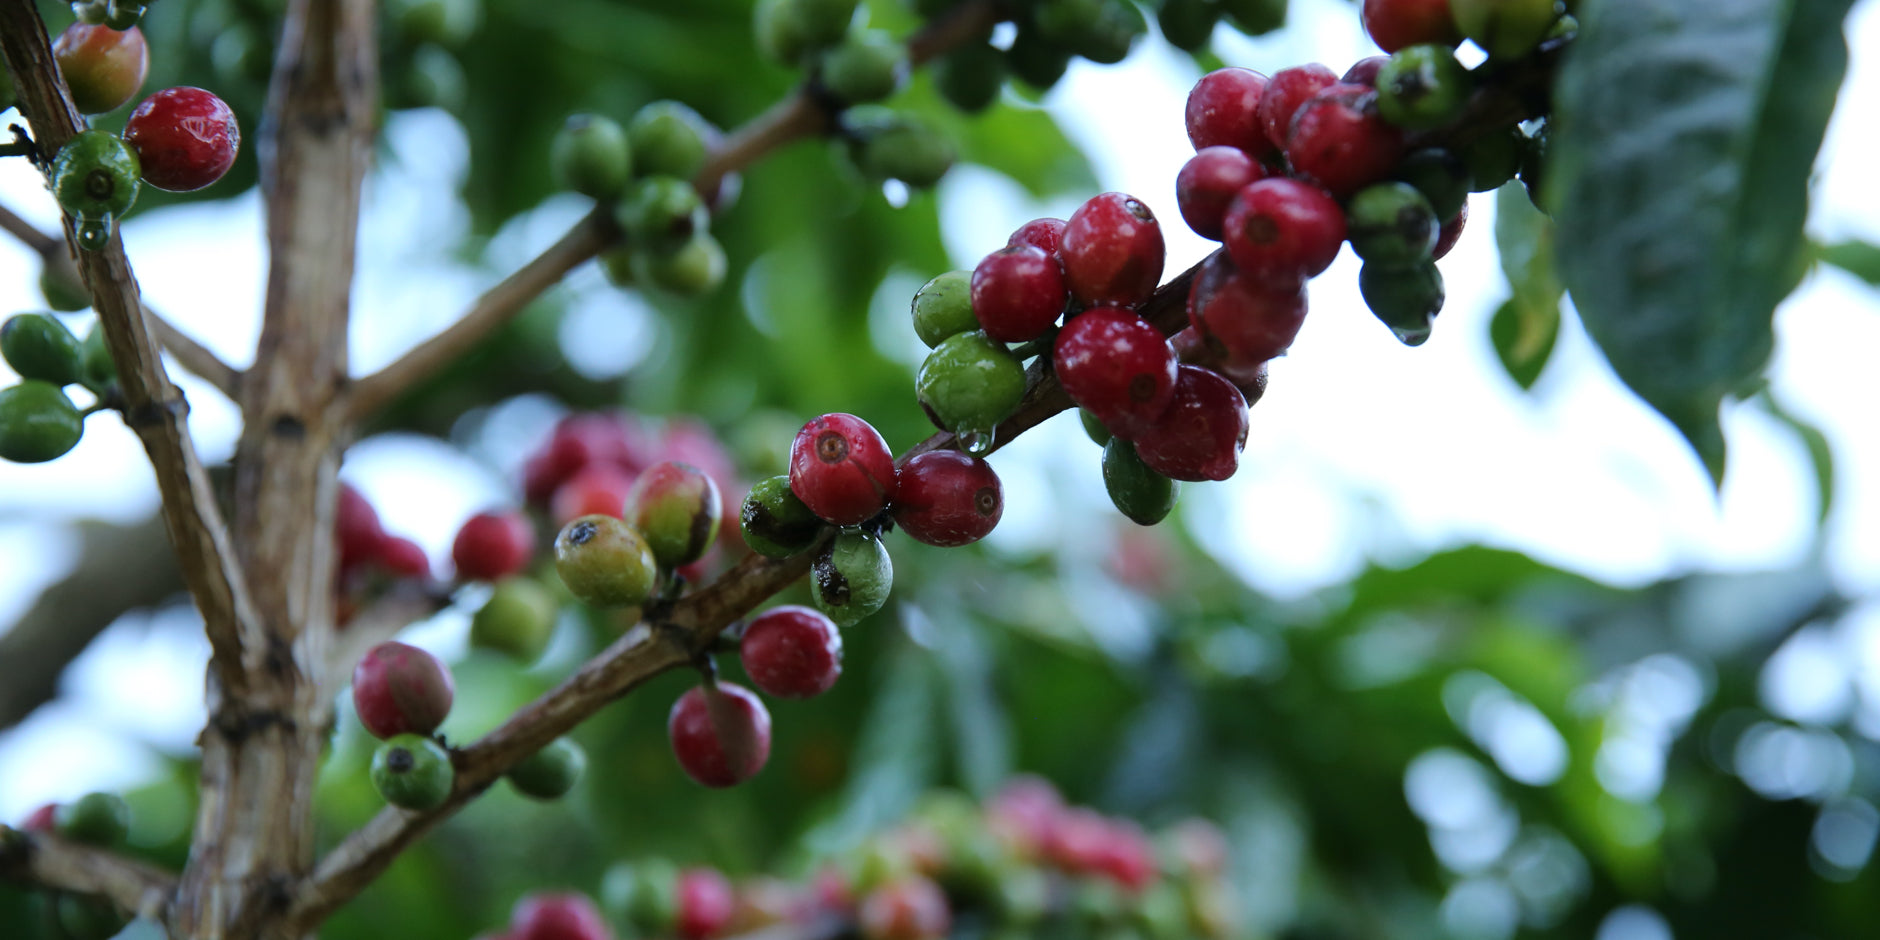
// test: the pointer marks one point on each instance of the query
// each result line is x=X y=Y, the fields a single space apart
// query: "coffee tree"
x=1650 y=158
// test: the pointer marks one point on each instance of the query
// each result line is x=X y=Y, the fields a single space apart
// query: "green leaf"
x=1679 y=162
x=1861 y=259
x=1819 y=453
x=1524 y=338
x=1525 y=327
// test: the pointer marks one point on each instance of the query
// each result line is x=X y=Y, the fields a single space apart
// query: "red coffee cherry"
x=1042 y=234
x=792 y=652
x=1114 y=364
x=1195 y=350
x=356 y=527
x=1023 y=814
x=1077 y=840
x=1018 y=292
x=721 y=735
x=1126 y=855
x=400 y=689
x=186 y=138
x=102 y=66
x=402 y=558
x=1208 y=182
x=1364 y=71
x=706 y=903
x=1285 y=93
x=578 y=442
x=1451 y=231
x=911 y=907
x=841 y=468
x=1251 y=321
x=948 y=499
x=493 y=545
x=559 y=916
x=1112 y=251
x=1281 y=231
x=1394 y=24
x=1339 y=141
x=598 y=490
x=1201 y=435
x=1223 y=111
x=43 y=819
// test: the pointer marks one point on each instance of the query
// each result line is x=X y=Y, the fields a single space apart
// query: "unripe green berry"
x=1188 y=25
x=412 y=772
x=96 y=176
x=551 y=772
x=1506 y=29
x=669 y=139
x=1140 y=494
x=660 y=214
x=1108 y=39
x=1254 y=17
x=605 y=562
x=678 y=509
x=38 y=346
x=87 y=918
x=517 y=620
x=1035 y=59
x=445 y=22
x=643 y=894
x=775 y=522
x=851 y=577
x=1094 y=427
x=91 y=12
x=779 y=31
x=1391 y=223
x=970 y=77
x=943 y=307
x=100 y=369
x=867 y=66
x=970 y=383
x=62 y=293
x=888 y=145
x=1440 y=176
x=693 y=269
x=591 y=156
x=823 y=23
x=101 y=819
x=1422 y=87
x=1405 y=297
x=617 y=265
x=123 y=14
x=37 y=422
x=1493 y=158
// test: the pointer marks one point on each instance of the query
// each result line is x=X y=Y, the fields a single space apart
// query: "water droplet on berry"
x=94 y=234
x=1412 y=335
x=975 y=442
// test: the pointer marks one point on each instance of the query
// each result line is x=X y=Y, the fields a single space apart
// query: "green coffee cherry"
x=37 y=423
x=551 y=772
x=661 y=213
x=1094 y=427
x=1188 y=25
x=1391 y=223
x=889 y=145
x=943 y=307
x=445 y=22
x=867 y=66
x=1024 y=897
x=1440 y=176
x=643 y=894
x=617 y=266
x=1099 y=30
x=66 y=295
x=1508 y=29
x=91 y=12
x=779 y=32
x=669 y=139
x=851 y=577
x=99 y=368
x=38 y=346
x=123 y=14
x=101 y=819
x=970 y=77
x=693 y=269
x=86 y=918
x=775 y=522
x=604 y=562
x=591 y=156
x=970 y=383
x=823 y=23
x=678 y=508
x=1493 y=158
x=1405 y=297
x=96 y=176
x=1140 y=494
x=1254 y=17
x=1035 y=59
x=1422 y=87
x=411 y=771
x=517 y=620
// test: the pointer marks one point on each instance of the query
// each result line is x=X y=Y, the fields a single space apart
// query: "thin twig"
x=51 y=862
x=42 y=244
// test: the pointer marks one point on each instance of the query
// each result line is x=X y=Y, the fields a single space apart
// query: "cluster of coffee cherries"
x=1023 y=863
x=38 y=420
x=101 y=820
x=1287 y=169
x=644 y=170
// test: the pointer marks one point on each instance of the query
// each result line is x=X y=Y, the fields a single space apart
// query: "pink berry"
x=1113 y=363
x=1394 y=24
x=43 y=819
x=493 y=545
x=1042 y=234
x=403 y=558
x=1126 y=856
x=600 y=489
x=1451 y=231
x=357 y=531
x=948 y=499
x=706 y=903
x=909 y=908
x=1250 y=320
x=1018 y=292
x=1112 y=251
x=1285 y=93
x=580 y=441
x=1201 y=436
x=792 y=652
x=721 y=736
x=1223 y=111
x=1208 y=182
x=1281 y=231
x=1338 y=140
x=185 y=138
x=400 y=689
x=841 y=468
x=1024 y=813
x=1364 y=71
x=102 y=67
x=1078 y=840
x=559 y=916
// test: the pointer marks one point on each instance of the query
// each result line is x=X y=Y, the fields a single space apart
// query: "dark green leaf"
x=1524 y=338
x=1819 y=453
x=1859 y=258
x=1683 y=140
x=1525 y=327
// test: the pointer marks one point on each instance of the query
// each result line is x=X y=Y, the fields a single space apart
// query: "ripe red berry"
x=1285 y=93
x=400 y=689
x=841 y=468
x=1208 y=182
x=1113 y=363
x=911 y=907
x=559 y=916
x=578 y=442
x=357 y=531
x=1394 y=24
x=1078 y=839
x=1193 y=349
x=721 y=736
x=792 y=652
x=1338 y=140
x=43 y=819
x=1126 y=855
x=402 y=558
x=1112 y=251
x=1018 y=292
x=1252 y=322
x=1223 y=111
x=706 y=903
x=493 y=545
x=1042 y=234
x=1023 y=814
x=1281 y=231
x=186 y=138
x=102 y=66
x=597 y=490
x=948 y=499
x=1451 y=231
x=1364 y=71
x=1201 y=435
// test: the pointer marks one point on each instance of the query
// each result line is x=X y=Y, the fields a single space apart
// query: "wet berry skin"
x=1112 y=251
x=1282 y=231
x=1201 y=436
x=1394 y=24
x=1339 y=141
x=792 y=652
x=1223 y=109
x=1249 y=320
x=840 y=467
x=1018 y=292
x=724 y=744
x=1288 y=90
x=948 y=499
x=1118 y=367
x=186 y=137
x=400 y=689
x=1043 y=234
x=1208 y=182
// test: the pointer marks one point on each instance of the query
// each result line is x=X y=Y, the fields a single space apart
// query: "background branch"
x=51 y=862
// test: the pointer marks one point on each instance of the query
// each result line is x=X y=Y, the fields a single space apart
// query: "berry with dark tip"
x=1250 y=320
x=103 y=67
x=1394 y=24
x=38 y=346
x=661 y=214
x=100 y=819
x=841 y=468
x=1364 y=71
x=677 y=509
x=185 y=138
x=851 y=577
x=1208 y=182
x=96 y=176
x=1405 y=297
x=401 y=689
x=557 y=916
x=1112 y=251
x=1043 y=234
x=551 y=772
x=1223 y=111
x=1450 y=233
x=1494 y=157
x=1422 y=87
x=37 y=422
x=591 y=156
x=493 y=545
x=1391 y=223
x=669 y=139
x=720 y=734
x=943 y=307
x=1338 y=140
x=605 y=562
x=1201 y=436
x=969 y=384
x=412 y=772
x=1142 y=495
x=775 y=523
x=1285 y=92
x=1017 y=293
x=792 y=652
x=948 y=499
x=1282 y=231
x=517 y=620
x=1440 y=176
x=1117 y=366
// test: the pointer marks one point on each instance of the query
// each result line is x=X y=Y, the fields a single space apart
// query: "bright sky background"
x=1362 y=449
